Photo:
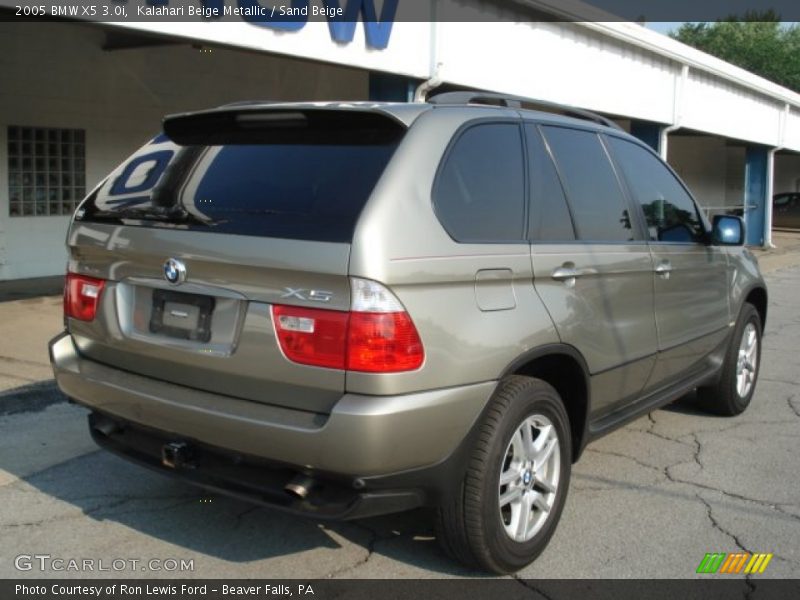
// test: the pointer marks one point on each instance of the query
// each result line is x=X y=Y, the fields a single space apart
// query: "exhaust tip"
x=299 y=487
x=106 y=426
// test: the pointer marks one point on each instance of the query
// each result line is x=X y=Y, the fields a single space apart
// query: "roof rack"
x=494 y=99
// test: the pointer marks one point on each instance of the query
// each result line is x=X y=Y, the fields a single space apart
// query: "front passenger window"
x=670 y=212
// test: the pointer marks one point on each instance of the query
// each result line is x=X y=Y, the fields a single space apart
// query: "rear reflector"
x=82 y=296
x=311 y=336
x=376 y=336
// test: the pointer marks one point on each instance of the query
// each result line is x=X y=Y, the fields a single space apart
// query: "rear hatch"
x=246 y=207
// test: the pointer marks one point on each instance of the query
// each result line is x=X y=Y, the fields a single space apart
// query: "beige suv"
x=344 y=310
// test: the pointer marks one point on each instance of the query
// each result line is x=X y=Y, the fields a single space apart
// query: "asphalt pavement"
x=647 y=501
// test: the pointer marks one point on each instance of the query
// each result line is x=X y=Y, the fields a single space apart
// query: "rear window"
x=303 y=188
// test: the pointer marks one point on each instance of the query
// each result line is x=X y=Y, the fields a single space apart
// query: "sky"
x=664 y=27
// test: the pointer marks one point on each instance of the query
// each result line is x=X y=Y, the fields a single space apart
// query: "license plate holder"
x=181 y=315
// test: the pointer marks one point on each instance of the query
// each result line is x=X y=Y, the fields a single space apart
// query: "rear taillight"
x=376 y=335
x=82 y=296
x=383 y=343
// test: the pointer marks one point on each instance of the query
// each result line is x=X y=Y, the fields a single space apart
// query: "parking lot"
x=647 y=501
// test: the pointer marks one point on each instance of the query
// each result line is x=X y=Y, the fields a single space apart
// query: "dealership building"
x=78 y=97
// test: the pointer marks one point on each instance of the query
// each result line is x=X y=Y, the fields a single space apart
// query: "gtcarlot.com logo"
x=47 y=562
x=734 y=563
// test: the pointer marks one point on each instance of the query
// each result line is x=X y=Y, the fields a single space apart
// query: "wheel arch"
x=757 y=296
x=563 y=367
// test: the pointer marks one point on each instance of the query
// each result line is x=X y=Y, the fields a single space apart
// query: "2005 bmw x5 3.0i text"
x=344 y=310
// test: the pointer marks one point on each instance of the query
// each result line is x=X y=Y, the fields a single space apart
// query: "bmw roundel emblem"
x=174 y=271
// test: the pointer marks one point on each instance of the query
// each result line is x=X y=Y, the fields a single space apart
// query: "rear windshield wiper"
x=172 y=214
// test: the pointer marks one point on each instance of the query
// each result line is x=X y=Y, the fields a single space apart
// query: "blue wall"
x=648 y=132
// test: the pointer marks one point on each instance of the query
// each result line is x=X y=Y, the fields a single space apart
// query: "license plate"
x=180 y=315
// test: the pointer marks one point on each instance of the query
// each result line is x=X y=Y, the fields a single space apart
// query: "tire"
x=728 y=397
x=474 y=528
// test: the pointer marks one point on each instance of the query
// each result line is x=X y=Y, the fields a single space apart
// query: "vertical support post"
x=769 y=193
x=756 y=175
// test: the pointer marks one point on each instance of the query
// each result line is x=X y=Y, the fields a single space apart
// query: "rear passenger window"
x=548 y=217
x=669 y=211
x=479 y=194
x=598 y=206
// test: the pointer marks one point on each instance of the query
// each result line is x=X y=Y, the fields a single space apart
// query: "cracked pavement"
x=647 y=501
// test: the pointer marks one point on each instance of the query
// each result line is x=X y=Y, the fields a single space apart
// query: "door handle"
x=664 y=269
x=565 y=273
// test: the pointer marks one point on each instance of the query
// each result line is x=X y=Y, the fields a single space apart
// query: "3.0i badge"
x=174 y=271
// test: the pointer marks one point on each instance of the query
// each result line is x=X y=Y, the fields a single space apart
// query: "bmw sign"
x=174 y=271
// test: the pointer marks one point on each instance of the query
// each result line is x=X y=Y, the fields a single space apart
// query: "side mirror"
x=727 y=230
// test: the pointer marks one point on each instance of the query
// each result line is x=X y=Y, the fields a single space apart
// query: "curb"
x=23 y=289
x=33 y=397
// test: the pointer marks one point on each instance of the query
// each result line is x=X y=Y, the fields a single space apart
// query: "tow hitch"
x=176 y=454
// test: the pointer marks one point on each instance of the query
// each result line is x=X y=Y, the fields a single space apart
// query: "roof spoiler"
x=264 y=124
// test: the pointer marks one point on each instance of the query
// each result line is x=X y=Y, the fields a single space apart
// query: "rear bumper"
x=363 y=436
x=248 y=477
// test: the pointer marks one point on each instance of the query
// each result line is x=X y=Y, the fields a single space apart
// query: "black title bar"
x=707 y=588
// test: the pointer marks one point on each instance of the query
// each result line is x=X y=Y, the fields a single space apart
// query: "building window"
x=46 y=170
